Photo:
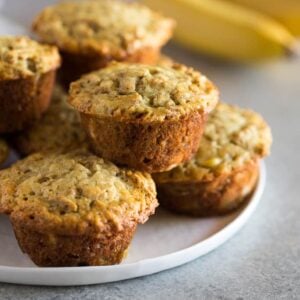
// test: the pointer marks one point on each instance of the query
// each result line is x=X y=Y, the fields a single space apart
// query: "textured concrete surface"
x=263 y=260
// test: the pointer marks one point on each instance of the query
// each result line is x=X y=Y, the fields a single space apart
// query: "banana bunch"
x=286 y=12
x=234 y=29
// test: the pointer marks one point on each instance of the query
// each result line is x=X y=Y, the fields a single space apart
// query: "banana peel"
x=287 y=12
x=226 y=30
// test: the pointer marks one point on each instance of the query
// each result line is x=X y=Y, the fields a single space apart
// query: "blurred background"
x=249 y=48
x=236 y=30
x=230 y=30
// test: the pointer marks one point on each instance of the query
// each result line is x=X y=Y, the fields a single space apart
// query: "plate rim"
x=144 y=267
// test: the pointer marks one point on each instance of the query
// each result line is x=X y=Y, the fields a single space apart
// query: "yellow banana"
x=285 y=11
x=225 y=29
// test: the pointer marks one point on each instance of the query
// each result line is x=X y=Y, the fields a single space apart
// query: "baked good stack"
x=94 y=156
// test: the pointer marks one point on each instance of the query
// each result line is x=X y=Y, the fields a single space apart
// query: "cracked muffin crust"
x=73 y=209
x=143 y=92
x=27 y=74
x=102 y=27
x=59 y=130
x=224 y=170
x=3 y=151
x=146 y=117
x=92 y=33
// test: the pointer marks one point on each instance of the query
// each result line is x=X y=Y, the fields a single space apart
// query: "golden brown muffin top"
x=75 y=193
x=21 y=57
x=104 y=27
x=3 y=151
x=58 y=130
x=232 y=138
x=143 y=92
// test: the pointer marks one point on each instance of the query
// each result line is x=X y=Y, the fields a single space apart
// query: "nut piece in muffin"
x=145 y=117
x=59 y=130
x=90 y=34
x=27 y=74
x=4 y=150
x=75 y=209
x=225 y=169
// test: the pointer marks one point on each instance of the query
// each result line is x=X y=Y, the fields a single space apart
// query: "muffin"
x=74 y=209
x=4 y=150
x=90 y=34
x=145 y=117
x=224 y=171
x=59 y=129
x=27 y=73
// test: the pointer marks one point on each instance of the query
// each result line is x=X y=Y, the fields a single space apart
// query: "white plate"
x=165 y=241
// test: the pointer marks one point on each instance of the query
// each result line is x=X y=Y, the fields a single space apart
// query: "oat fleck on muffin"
x=90 y=34
x=27 y=74
x=225 y=169
x=75 y=209
x=4 y=150
x=59 y=130
x=145 y=117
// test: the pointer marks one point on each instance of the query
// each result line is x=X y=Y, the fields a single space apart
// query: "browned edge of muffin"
x=145 y=146
x=23 y=101
x=48 y=250
x=4 y=153
x=223 y=194
x=76 y=65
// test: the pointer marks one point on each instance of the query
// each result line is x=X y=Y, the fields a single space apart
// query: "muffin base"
x=4 y=151
x=75 y=65
x=50 y=250
x=23 y=101
x=145 y=146
x=201 y=199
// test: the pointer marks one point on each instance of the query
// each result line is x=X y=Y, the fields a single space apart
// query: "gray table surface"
x=263 y=260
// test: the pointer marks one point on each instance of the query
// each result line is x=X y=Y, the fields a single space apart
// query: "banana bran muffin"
x=149 y=118
x=90 y=34
x=225 y=169
x=4 y=150
x=58 y=130
x=27 y=74
x=75 y=209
